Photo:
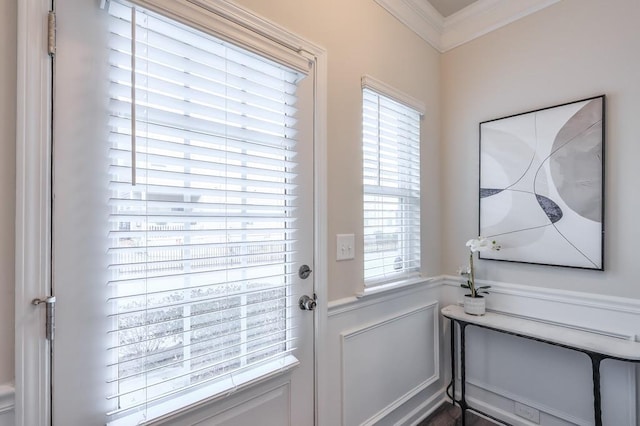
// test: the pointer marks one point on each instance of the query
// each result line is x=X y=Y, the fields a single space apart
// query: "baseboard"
x=510 y=396
x=424 y=410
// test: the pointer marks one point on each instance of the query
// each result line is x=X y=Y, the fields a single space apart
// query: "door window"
x=202 y=214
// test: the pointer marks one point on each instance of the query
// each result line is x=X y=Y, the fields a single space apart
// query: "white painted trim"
x=398 y=402
x=391 y=92
x=396 y=285
x=345 y=335
x=7 y=398
x=468 y=24
x=498 y=413
x=321 y=264
x=589 y=300
x=348 y=304
x=32 y=251
x=419 y=414
x=419 y=16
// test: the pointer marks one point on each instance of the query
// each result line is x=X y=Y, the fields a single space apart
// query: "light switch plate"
x=345 y=246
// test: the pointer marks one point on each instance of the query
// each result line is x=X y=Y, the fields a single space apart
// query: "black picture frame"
x=541 y=185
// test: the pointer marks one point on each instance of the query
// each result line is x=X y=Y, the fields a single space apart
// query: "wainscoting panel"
x=270 y=408
x=503 y=370
x=383 y=358
x=265 y=404
x=385 y=363
x=7 y=415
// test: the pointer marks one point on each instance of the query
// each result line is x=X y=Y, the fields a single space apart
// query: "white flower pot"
x=474 y=305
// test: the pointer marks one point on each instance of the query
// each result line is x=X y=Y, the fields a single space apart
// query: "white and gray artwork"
x=541 y=185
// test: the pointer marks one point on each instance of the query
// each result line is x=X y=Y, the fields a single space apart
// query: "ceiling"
x=449 y=7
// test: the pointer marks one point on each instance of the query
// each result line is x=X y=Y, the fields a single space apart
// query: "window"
x=391 y=178
x=202 y=206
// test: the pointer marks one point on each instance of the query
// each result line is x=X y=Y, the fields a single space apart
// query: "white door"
x=179 y=224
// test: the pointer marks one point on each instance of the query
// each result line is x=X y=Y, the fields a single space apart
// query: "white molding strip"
x=7 y=398
x=348 y=304
x=396 y=285
x=419 y=16
x=589 y=300
x=384 y=89
x=468 y=24
x=417 y=415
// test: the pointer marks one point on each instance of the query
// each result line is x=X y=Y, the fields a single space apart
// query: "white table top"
x=605 y=345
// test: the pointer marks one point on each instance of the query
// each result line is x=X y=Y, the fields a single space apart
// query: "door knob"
x=306 y=303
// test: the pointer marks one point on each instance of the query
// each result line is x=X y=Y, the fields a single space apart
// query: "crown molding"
x=419 y=16
x=472 y=22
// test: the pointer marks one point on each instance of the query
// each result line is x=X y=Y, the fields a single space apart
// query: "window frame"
x=390 y=93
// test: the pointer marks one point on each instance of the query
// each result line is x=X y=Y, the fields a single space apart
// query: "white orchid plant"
x=476 y=245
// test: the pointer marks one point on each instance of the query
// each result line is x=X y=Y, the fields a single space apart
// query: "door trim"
x=33 y=218
x=33 y=203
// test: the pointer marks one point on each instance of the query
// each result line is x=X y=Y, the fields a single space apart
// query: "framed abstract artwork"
x=542 y=185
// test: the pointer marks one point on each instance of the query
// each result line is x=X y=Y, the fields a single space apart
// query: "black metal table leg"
x=597 y=401
x=463 y=400
x=453 y=362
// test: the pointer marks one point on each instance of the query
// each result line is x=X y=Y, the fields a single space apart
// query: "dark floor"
x=448 y=415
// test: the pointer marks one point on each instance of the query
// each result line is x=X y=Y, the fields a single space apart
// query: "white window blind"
x=201 y=246
x=391 y=177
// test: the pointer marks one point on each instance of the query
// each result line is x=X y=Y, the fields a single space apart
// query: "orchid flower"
x=477 y=245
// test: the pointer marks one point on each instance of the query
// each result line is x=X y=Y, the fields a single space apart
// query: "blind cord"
x=133 y=96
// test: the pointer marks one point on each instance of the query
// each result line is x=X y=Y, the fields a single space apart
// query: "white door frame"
x=33 y=202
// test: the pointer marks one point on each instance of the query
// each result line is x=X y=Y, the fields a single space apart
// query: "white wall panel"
x=385 y=363
x=384 y=358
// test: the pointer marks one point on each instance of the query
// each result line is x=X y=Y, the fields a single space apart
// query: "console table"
x=597 y=347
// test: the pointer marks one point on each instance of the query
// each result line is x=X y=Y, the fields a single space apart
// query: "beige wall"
x=8 y=17
x=362 y=38
x=572 y=50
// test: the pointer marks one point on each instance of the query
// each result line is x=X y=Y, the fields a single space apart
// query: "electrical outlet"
x=527 y=412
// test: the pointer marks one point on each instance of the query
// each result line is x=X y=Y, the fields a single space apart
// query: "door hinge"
x=51 y=33
x=50 y=305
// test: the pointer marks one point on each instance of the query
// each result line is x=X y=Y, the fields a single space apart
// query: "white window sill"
x=393 y=286
x=208 y=394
